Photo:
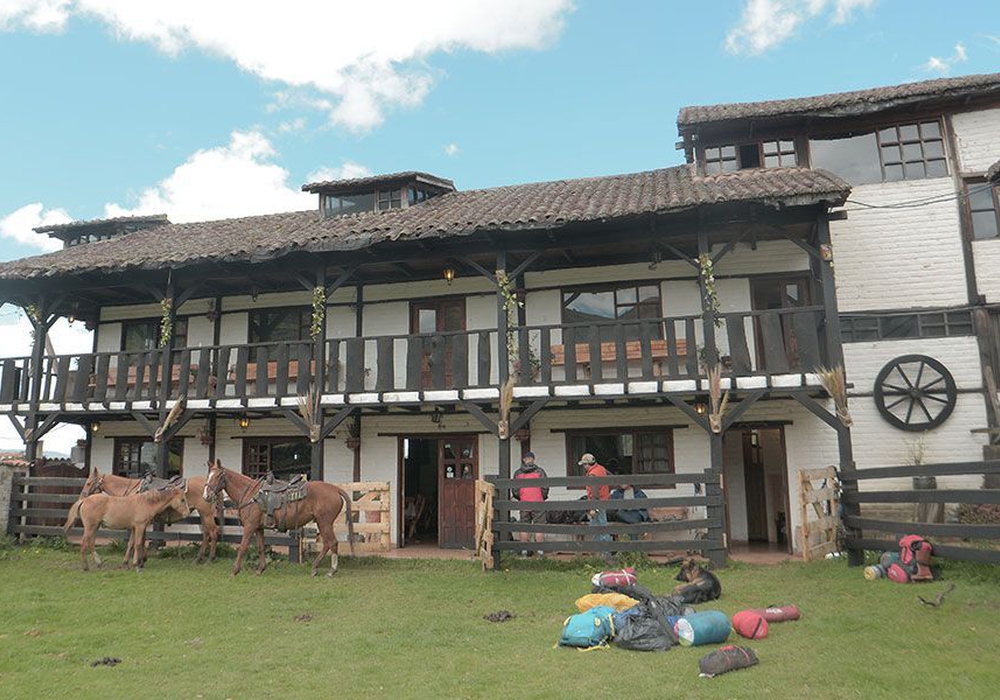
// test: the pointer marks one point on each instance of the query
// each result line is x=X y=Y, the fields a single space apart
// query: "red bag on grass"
x=610 y=579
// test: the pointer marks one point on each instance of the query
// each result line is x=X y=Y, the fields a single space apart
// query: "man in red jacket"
x=598 y=516
x=528 y=495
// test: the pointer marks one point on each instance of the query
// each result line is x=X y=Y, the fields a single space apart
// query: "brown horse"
x=134 y=512
x=322 y=505
x=114 y=485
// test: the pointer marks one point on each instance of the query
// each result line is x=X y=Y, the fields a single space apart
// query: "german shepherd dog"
x=700 y=585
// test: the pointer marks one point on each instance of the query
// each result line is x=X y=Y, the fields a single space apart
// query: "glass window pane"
x=770 y=148
x=291 y=457
x=713 y=168
x=890 y=154
x=426 y=320
x=627 y=295
x=888 y=135
x=980 y=196
x=788 y=147
x=933 y=149
x=771 y=161
x=984 y=224
x=139 y=336
x=893 y=173
x=276 y=325
x=911 y=151
x=909 y=133
x=585 y=307
x=930 y=130
x=728 y=151
x=914 y=171
x=899 y=327
x=937 y=168
x=649 y=292
x=854 y=158
x=729 y=166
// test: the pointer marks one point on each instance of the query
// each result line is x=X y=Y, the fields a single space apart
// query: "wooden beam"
x=681 y=255
x=296 y=420
x=741 y=408
x=480 y=269
x=187 y=294
x=17 y=426
x=147 y=424
x=525 y=264
x=172 y=431
x=527 y=414
x=729 y=246
x=341 y=279
x=816 y=409
x=480 y=416
x=689 y=411
x=338 y=418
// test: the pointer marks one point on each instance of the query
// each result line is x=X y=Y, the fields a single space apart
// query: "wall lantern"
x=94 y=427
x=436 y=416
x=243 y=422
x=826 y=252
x=449 y=275
x=700 y=408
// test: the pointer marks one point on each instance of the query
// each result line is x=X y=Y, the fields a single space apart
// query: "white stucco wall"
x=977 y=135
x=986 y=255
x=899 y=258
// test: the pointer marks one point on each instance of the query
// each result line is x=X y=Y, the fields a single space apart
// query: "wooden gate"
x=484 y=523
x=819 y=534
x=370 y=505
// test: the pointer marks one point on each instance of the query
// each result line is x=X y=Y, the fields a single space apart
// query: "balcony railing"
x=748 y=343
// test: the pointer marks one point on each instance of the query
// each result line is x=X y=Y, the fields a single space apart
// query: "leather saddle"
x=275 y=494
x=149 y=482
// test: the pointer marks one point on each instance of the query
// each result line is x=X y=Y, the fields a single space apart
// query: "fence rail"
x=956 y=535
x=607 y=538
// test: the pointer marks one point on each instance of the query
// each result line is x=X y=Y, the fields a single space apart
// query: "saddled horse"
x=322 y=504
x=113 y=485
x=133 y=512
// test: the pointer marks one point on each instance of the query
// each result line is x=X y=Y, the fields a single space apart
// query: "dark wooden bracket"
x=527 y=414
x=172 y=431
x=186 y=295
x=341 y=280
x=681 y=255
x=689 y=411
x=147 y=424
x=817 y=409
x=517 y=271
x=17 y=426
x=813 y=251
x=480 y=416
x=729 y=246
x=741 y=408
x=481 y=270
x=338 y=418
x=296 y=420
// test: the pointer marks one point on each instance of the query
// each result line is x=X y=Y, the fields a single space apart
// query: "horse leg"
x=84 y=545
x=261 y=559
x=322 y=553
x=204 y=544
x=213 y=542
x=139 y=537
x=242 y=550
x=128 y=550
x=330 y=545
x=93 y=549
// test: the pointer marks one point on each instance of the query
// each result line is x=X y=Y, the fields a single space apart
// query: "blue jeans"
x=600 y=517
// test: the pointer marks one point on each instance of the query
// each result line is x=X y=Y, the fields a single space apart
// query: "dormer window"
x=339 y=204
x=754 y=154
x=378 y=193
x=80 y=233
x=390 y=199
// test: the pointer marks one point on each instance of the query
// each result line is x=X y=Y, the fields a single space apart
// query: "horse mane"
x=158 y=497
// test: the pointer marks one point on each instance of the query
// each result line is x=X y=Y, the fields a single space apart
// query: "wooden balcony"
x=756 y=349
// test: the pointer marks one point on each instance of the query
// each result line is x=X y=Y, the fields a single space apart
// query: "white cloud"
x=287 y=127
x=936 y=64
x=362 y=64
x=767 y=23
x=346 y=171
x=18 y=225
x=451 y=149
x=239 y=179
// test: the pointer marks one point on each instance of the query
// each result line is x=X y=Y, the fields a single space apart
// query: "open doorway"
x=756 y=487
x=437 y=479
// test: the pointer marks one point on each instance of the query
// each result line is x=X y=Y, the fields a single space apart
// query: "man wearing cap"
x=530 y=494
x=600 y=493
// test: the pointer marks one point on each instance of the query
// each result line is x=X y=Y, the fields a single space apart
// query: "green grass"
x=416 y=629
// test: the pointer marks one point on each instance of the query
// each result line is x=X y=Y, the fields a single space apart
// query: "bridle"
x=221 y=485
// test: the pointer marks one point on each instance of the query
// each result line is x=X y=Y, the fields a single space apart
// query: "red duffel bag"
x=783 y=613
x=610 y=579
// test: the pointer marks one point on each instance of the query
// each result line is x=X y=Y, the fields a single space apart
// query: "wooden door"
x=755 y=488
x=433 y=316
x=772 y=294
x=458 y=465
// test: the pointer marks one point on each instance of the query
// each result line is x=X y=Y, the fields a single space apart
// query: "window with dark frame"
x=889 y=154
x=284 y=456
x=279 y=325
x=134 y=457
x=605 y=303
x=720 y=159
x=892 y=326
x=390 y=199
x=143 y=335
x=779 y=154
x=340 y=204
x=983 y=203
x=622 y=451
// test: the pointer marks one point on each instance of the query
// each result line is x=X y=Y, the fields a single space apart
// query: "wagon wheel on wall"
x=915 y=393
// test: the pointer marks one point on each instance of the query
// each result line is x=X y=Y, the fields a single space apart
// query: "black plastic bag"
x=643 y=631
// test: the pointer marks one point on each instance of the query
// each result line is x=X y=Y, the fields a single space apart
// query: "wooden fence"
x=34 y=507
x=950 y=540
x=651 y=536
x=819 y=533
x=485 y=493
x=372 y=509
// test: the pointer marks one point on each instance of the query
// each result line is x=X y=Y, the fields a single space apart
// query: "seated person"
x=631 y=516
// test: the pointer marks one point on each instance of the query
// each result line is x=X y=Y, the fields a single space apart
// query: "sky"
x=210 y=110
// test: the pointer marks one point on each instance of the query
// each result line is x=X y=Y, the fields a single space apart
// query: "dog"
x=700 y=585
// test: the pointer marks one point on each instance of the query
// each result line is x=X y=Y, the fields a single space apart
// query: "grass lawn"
x=416 y=629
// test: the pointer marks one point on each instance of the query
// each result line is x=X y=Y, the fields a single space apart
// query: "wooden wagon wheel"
x=915 y=393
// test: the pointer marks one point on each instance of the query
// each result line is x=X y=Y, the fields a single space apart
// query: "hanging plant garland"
x=706 y=267
x=318 y=312
x=510 y=305
x=166 y=321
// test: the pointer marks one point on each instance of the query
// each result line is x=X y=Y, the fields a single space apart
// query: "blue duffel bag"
x=588 y=629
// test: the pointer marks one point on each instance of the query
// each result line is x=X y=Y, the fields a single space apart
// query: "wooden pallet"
x=819 y=535
x=371 y=505
x=484 y=523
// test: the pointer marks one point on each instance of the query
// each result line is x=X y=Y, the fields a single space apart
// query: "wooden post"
x=835 y=358
x=316 y=457
x=41 y=328
x=717 y=511
x=166 y=380
x=707 y=313
x=359 y=329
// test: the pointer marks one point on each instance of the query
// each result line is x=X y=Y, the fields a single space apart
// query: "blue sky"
x=121 y=106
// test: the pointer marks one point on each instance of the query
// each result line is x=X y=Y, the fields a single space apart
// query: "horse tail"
x=350 y=519
x=74 y=512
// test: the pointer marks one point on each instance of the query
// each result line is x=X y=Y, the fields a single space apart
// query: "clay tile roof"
x=148 y=219
x=539 y=206
x=842 y=103
x=360 y=182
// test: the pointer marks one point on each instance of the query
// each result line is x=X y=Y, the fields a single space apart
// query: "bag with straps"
x=588 y=629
